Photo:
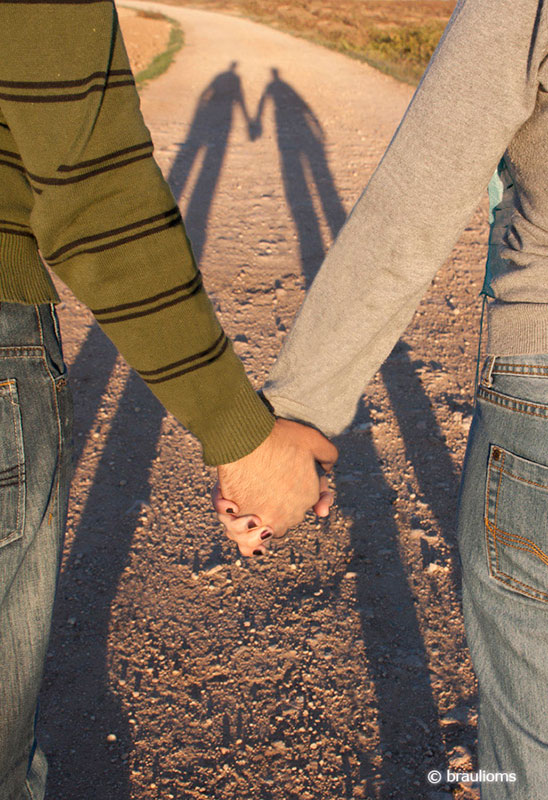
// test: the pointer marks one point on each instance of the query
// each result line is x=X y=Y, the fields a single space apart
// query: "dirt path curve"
x=335 y=668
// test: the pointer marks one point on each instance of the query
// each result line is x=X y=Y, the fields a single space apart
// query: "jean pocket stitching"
x=512 y=403
x=497 y=536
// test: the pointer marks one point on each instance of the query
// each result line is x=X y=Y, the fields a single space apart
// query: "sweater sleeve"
x=480 y=87
x=105 y=219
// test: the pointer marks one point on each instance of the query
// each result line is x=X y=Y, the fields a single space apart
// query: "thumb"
x=324 y=451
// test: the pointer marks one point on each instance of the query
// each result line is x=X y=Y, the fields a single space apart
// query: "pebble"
x=363 y=427
x=138 y=507
x=111 y=737
x=214 y=570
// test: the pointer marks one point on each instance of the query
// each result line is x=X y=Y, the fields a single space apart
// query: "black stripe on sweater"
x=190 y=369
x=147 y=300
x=187 y=360
x=11 y=154
x=17 y=225
x=16 y=233
x=86 y=175
x=153 y=310
x=93 y=161
x=113 y=232
x=64 y=84
x=125 y=240
x=62 y=98
x=18 y=167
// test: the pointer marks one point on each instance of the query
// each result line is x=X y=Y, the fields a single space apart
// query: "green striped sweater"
x=78 y=182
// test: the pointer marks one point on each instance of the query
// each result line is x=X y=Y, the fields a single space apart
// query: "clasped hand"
x=261 y=496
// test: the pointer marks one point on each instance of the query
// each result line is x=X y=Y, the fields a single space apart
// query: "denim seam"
x=497 y=509
x=536 y=373
x=498 y=533
x=510 y=367
x=524 y=480
x=487 y=501
x=55 y=388
x=18 y=440
x=20 y=465
x=491 y=530
x=510 y=403
x=511 y=581
x=22 y=355
x=521 y=539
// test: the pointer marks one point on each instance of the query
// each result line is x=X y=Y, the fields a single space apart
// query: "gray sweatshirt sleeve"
x=479 y=88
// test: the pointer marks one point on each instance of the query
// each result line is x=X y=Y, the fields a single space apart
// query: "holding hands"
x=260 y=496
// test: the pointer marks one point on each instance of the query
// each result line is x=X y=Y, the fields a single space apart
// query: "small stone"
x=214 y=570
x=111 y=737
x=350 y=575
x=138 y=507
x=363 y=427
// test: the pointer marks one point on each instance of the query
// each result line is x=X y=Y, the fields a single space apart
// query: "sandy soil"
x=336 y=667
x=145 y=37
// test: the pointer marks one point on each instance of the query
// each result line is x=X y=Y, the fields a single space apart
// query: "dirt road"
x=336 y=667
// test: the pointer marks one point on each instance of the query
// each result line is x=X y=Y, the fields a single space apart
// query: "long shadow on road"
x=209 y=134
x=80 y=706
x=428 y=453
x=407 y=713
x=305 y=170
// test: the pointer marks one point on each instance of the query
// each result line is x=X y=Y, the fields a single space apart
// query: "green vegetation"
x=403 y=52
x=395 y=36
x=161 y=62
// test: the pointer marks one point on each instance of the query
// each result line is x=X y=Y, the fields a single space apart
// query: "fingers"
x=325 y=500
x=324 y=451
x=221 y=505
x=247 y=531
x=237 y=526
x=253 y=542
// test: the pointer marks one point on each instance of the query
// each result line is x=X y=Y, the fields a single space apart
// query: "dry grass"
x=397 y=36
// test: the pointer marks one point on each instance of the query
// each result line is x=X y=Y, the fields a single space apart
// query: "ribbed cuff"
x=237 y=430
x=23 y=277
x=517 y=328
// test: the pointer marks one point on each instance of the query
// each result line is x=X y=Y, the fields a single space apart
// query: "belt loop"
x=55 y=319
x=487 y=377
x=39 y=324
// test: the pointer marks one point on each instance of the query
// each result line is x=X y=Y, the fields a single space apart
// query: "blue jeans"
x=503 y=539
x=35 y=456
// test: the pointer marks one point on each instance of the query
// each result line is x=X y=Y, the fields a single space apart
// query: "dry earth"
x=336 y=667
x=144 y=36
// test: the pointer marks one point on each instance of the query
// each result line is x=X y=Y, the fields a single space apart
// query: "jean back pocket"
x=12 y=464
x=516 y=521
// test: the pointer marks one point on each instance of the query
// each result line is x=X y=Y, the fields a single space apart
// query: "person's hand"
x=268 y=491
x=247 y=530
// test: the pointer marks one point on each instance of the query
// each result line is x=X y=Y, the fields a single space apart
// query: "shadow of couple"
x=303 y=161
